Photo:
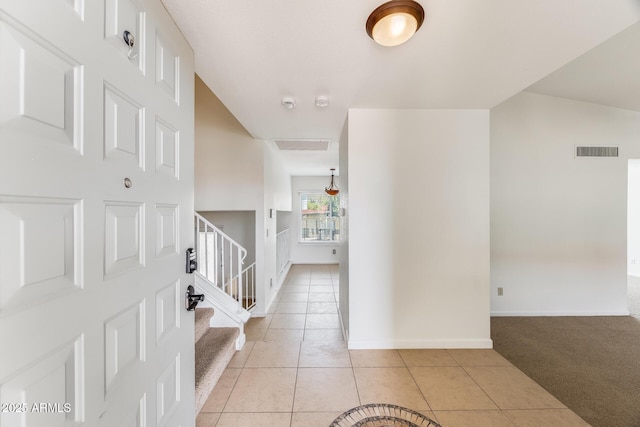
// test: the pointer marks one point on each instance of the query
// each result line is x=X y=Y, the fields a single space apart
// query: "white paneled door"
x=96 y=212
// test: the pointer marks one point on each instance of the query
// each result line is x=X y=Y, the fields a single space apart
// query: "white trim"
x=299 y=240
x=313 y=263
x=558 y=313
x=282 y=276
x=413 y=344
x=320 y=242
x=345 y=333
x=241 y=340
x=279 y=282
x=221 y=301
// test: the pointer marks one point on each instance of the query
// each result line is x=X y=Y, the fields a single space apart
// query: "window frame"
x=300 y=220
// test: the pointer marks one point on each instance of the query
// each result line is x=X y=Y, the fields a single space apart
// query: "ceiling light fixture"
x=322 y=101
x=288 y=103
x=332 y=189
x=395 y=22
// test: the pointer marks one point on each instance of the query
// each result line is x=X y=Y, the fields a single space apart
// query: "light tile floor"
x=295 y=371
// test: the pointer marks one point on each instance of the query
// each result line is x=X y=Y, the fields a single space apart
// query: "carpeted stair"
x=214 y=349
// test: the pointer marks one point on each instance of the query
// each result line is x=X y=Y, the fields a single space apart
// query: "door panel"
x=167 y=69
x=40 y=87
x=124 y=237
x=167 y=149
x=124 y=345
x=123 y=128
x=43 y=230
x=168 y=304
x=121 y=16
x=92 y=323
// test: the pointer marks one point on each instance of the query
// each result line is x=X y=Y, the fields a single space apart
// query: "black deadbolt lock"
x=191 y=263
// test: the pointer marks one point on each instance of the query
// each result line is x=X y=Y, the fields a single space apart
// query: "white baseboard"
x=279 y=281
x=314 y=262
x=558 y=313
x=415 y=344
x=345 y=332
x=283 y=275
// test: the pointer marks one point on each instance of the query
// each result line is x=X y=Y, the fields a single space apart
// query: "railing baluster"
x=220 y=262
x=215 y=273
x=196 y=236
x=207 y=237
x=223 y=267
x=239 y=278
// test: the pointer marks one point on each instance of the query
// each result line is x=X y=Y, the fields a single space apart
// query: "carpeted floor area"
x=591 y=364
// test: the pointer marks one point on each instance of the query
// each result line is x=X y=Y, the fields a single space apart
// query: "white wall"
x=277 y=197
x=418 y=209
x=277 y=183
x=309 y=253
x=240 y=226
x=558 y=223
x=633 y=218
x=343 y=295
x=284 y=220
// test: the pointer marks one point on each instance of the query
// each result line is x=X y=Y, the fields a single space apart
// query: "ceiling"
x=609 y=74
x=468 y=54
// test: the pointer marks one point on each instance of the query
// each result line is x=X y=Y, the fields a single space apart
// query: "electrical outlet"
x=333 y=251
x=500 y=292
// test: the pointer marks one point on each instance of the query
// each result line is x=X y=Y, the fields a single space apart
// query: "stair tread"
x=202 y=319
x=213 y=349
x=203 y=314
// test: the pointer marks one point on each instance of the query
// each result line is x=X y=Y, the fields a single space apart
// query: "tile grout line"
x=353 y=372
x=479 y=386
x=418 y=386
x=231 y=392
x=295 y=385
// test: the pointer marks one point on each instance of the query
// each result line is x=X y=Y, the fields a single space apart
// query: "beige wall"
x=229 y=169
x=235 y=172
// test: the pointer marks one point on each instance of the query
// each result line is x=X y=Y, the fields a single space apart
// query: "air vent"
x=303 y=144
x=596 y=151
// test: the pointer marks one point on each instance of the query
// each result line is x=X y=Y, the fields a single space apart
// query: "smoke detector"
x=288 y=103
x=322 y=101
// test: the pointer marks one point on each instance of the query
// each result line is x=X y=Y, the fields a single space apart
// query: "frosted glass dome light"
x=395 y=22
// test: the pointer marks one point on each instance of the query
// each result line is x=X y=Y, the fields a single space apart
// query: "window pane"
x=319 y=220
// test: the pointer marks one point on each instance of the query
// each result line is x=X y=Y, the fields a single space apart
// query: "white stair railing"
x=249 y=286
x=282 y=250
x=220 y=260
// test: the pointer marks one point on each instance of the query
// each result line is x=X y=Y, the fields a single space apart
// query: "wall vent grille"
x=596 y=151
x=302 y=144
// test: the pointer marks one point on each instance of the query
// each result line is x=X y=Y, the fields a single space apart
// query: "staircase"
x=214 y=349
x=230 y=289
x=227 y=285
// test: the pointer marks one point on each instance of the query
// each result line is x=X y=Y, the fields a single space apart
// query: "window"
x=319 y=221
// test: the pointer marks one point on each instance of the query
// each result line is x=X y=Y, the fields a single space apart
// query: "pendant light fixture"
x=332 y=189
x=395 y=22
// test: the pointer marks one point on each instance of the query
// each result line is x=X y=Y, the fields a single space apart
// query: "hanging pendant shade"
x=332 y=189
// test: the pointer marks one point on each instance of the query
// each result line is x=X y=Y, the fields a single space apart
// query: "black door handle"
x=191 y=299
